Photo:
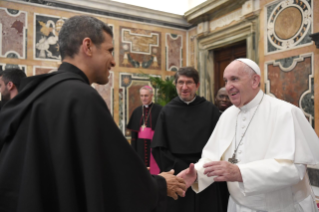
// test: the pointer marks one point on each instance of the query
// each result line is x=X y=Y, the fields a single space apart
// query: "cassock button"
x=241 y=143
x=243 y=126
x=239 y=152
x=244 y=118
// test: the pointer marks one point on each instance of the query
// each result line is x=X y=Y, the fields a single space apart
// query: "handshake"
x=178 y=185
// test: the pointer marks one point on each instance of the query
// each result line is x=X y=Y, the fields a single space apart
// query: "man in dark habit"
x=142 y=125
x=60 y=148
x=183 y=128
x=9 y=83
x=222 y=101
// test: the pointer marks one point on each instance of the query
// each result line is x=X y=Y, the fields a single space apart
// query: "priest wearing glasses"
x=261 y=147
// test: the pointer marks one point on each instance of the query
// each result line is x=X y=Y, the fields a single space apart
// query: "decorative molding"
x=43 y=70
x=4 y=66
x=16 y=30
x=140 y=48
x=203 y=27
x=118 y=10
x=139 y=43
x=287 y=65
x=196 y=14
x=223 y=21
x=174 y=54
x=247 y=7
x=46 y=30
x=282 y=36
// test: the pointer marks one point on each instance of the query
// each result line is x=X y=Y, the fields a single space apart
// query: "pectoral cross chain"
x=233 y=159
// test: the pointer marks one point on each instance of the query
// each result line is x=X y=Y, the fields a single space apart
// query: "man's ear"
x=10 y=86
x=86 y=46
x=256 y=81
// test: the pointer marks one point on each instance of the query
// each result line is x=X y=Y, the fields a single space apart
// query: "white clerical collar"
x=147 y=105
x=189 y=101
x=254 y=102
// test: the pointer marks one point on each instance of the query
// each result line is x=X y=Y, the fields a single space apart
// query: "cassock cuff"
x=203 y=180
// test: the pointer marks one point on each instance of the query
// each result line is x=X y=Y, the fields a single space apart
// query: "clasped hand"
x=175 y=185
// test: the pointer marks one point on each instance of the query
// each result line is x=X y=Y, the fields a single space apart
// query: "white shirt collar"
x=253 y=103
x=189 y=101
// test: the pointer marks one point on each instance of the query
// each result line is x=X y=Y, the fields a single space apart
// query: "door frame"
x=242 y=30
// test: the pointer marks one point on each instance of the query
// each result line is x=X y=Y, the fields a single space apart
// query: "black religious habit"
x=181 y=133
x=142 y=146
x=61 y=151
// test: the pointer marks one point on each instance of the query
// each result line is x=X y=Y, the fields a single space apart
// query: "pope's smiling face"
x=240 y=84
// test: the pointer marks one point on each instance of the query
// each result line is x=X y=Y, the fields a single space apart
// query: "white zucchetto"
x=251 y=64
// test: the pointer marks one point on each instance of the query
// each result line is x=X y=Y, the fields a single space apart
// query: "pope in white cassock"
x=261 y=146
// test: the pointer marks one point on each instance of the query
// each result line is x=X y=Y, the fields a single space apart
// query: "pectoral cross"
x=233 y=159
x=143 y=126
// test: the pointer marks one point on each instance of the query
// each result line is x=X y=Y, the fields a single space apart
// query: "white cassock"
x=273 y=154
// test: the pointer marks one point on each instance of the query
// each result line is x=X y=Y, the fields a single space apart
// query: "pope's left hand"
x=223 y=170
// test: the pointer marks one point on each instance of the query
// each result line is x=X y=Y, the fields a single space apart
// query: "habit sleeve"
x=107 y=162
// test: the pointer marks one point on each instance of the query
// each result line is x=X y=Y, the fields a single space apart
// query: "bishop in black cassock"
x=142 y=122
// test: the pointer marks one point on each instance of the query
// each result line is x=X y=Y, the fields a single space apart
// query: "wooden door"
x=224 y=56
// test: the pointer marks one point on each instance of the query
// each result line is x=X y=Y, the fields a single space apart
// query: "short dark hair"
x=188 y=72
x=14 y=75
x=76 y=28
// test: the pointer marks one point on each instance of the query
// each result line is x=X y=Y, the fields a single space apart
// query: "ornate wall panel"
x=288 y=25
x=140 y=48
x=107 y=92
x=46 y=32
x=4 y=66
x=13 y=33
x=37 y=70
x=174 y=51
x=292 y=80
x=130 y=85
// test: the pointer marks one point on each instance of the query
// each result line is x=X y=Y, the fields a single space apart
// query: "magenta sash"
x=148 y=133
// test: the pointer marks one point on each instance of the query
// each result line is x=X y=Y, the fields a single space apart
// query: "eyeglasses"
x=188 y=83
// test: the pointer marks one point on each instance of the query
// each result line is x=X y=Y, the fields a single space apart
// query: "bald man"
x=261 y=147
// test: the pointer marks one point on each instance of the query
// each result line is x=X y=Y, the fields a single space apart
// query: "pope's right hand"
x=189 y=175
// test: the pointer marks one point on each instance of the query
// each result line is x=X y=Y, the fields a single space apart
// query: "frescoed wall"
x=13 y=27
x=140 y=48
x=29 y=39
x=292 y=79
